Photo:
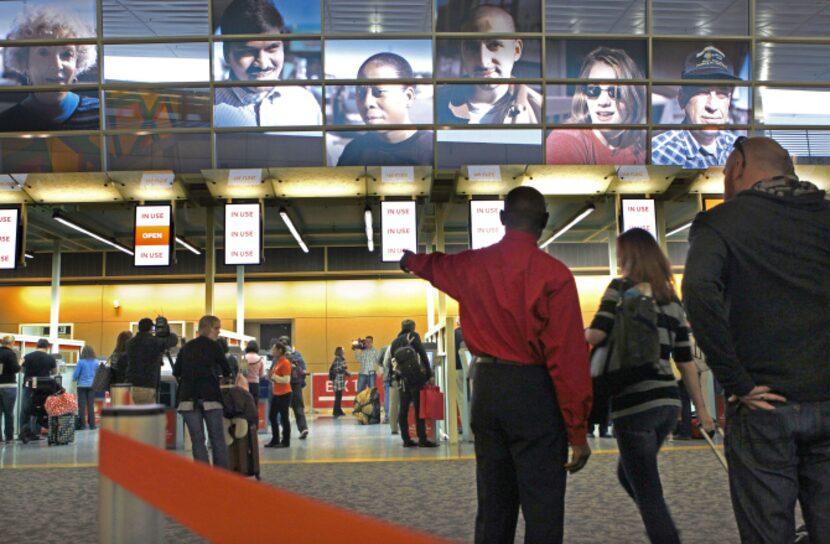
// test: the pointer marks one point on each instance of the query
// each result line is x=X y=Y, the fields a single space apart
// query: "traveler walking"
x=298 y=373
x=9 y=367
x=281 y=399
x=757 y=289
x=199 y=368
x=532 y=389
x=646 y=405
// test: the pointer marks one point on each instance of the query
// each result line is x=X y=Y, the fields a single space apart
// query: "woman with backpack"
x=645 y=408
x=255 y=368
x=337 y=375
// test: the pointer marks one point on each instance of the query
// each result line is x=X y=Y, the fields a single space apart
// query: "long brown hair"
x=121 y=342
x=632 y=101
x=642 y=260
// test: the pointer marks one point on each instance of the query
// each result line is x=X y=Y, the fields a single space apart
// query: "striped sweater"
x=673 y=329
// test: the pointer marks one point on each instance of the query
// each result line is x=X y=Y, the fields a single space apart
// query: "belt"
x=489 y=359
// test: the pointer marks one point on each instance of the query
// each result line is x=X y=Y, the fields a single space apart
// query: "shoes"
x=394 y=432
x=281 y=445
x=303 y=434
x=409 y=444
x=427 y=444
x=385 y=421
x=605 y=435
x=93 y=428
x=272 y=444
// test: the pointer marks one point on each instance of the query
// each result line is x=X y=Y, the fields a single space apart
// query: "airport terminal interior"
x=183 y=158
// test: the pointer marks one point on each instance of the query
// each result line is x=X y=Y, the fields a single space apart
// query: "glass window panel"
x=776 y=18
x=596 y=103
x=46 y=19
x=167 y=108
x=156 y=63
x=51 y=154
x=47 y=111
x=701 y=17
x=294 y=16
x=700 y=105
x=59 y=64
x=793 y=62
x=805 y=146
x=510 y=16
x=380 y=148
x=395 y=104
x=378 y=16
x=699 y=148
x=495 y=57
x=272 y=59
x=345 y=57
x=269 y=149
x=150 y=18
x=587 y=146
x=461 y=147
x=578 y=58
x=284 y=105
x=701 y=60
x=610 y=17
x=461 y=103
x=792 y=106
x=165 y=151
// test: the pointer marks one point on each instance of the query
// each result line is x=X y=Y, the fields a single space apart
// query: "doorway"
x=269 y=331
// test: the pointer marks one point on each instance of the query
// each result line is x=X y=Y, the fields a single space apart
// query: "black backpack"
x=407 y=363
x=634 y=344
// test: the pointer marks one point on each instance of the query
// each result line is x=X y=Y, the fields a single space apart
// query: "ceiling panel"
x=605 y=16
x=701 y=17
x=147 y=18
x=791 y=18
x=377 y=16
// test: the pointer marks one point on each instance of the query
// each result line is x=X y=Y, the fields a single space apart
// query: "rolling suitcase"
x=243 y=454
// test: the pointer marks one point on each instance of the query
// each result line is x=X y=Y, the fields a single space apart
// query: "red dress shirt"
x=520 y=304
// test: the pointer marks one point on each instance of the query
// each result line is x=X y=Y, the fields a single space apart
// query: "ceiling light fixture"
x=290 y=224
x=29 y=255
x=681 y=228
x=582 y=214
x=187 y=245
x=59 y=217
x=370 y=233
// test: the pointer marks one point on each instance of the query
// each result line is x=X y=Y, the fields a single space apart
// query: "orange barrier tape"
x=217 y=504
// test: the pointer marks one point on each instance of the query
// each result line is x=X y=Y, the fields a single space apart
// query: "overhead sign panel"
x=485 y=223
x=9 y=230
x=152 y=235
x=399 y=229
x=243 y=234
x=639 y=213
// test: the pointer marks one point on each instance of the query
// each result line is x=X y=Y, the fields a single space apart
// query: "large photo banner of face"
x=386 y=91
x=606 y=104
x=59 y=64
x=710 y=96
x=260 y=66
x=460 y=16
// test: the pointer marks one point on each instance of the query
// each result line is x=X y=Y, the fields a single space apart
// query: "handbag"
x=102 y=379
x=61 y=403
x=432 y=403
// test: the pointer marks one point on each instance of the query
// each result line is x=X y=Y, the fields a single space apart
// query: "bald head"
x=524 y=209
x=762 y=158
x=489 y=19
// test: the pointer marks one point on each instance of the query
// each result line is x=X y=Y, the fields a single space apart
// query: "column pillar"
x=55 y=303
x=240 y=300
x=210 y=259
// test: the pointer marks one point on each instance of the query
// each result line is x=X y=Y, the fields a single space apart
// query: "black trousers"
x=521 y=449
x=298 y=406
x=411 y=395
x=338 y=399
x=279 y=407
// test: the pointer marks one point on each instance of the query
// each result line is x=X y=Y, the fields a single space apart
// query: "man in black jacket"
x=411 y=392
x=757 y=290
x=144 y=354
x=199 y=366
x=9 y=367
x=37 y=364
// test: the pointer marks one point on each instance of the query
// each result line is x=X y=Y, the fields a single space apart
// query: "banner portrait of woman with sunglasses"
x=606 y=105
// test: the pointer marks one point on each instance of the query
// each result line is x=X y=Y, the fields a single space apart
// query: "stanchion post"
x=122 y=517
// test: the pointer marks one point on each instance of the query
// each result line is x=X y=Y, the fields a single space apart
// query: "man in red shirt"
x=532 y=388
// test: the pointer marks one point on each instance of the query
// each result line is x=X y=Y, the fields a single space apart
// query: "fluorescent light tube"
x=187 y=245
x=370 y=233
x=64 y=221
x=290 y=224
x=579 y=217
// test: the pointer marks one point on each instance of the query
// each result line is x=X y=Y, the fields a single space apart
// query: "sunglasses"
x=738 y=145
x=593 y=91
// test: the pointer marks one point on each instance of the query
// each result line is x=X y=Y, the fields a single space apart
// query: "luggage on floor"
x=61 y=429
x=243 y=454
x=367 y=406
x=61 y=403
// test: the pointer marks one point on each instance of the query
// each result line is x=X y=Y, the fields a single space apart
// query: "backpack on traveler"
x=407 y=363
x=633 y=348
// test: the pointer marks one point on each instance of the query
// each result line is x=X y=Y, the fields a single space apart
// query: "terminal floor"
x=51 y=492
